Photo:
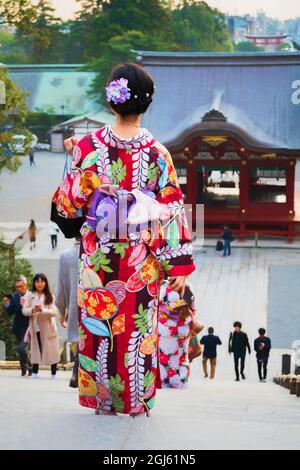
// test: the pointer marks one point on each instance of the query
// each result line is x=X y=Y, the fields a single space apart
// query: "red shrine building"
x=232 y=125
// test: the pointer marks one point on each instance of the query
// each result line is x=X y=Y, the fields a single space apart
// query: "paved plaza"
x=44 y=414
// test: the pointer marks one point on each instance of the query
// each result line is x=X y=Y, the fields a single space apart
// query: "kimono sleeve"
x=176 y=251
x=76 y=188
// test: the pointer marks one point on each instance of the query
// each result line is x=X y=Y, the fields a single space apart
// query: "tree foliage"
x=20 y=13
x=43 y=41
x=12 y=116
x=248 y=46
x=198 y=27
x=105 y=32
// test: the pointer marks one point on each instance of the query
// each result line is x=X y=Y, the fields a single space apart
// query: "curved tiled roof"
x=257 y=92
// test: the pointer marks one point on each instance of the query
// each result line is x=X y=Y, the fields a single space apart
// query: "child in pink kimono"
x=175 y=328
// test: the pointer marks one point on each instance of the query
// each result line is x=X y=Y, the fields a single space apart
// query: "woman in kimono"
x=120 y=275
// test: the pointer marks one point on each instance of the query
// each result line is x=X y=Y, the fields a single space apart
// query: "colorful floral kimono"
x=174 y=328
x=119 y=276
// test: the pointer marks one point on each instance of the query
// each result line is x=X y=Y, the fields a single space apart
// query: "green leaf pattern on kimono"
x=120 y=249
x=81 y=333
x=100 y=261
x=152 y=172
x=88 y=364
x=173 y=235
x=165 y=265
x=118 y=171
x=141 y=319
x=89 y=160
x=117 y=387
x=149 y=378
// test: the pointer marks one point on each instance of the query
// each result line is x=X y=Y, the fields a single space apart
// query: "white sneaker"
x=34 y=376
x=53 y=376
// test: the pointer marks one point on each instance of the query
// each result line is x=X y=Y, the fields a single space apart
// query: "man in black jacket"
x=238 y=345
x=13 y=306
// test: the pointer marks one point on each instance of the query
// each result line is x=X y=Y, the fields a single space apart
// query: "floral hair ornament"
x=118 y=91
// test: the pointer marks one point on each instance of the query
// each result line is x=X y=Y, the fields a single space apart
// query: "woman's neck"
x=127 y=127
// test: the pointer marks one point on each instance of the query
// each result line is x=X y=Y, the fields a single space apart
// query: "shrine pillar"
x=244 y=196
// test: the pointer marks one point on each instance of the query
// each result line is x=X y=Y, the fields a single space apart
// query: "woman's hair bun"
x=140 y=84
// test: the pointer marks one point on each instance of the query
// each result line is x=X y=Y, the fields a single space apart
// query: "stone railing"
x=291 y=382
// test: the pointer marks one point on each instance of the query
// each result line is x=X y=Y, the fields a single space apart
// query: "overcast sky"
x=282 y=9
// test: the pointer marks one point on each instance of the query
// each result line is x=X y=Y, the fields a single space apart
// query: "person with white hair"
x=13 y=306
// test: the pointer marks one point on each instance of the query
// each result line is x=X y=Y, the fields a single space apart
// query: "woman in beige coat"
x=39 y=306
x=32 y=231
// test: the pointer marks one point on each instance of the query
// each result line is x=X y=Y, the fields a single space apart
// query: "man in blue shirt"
x=210 y=344
x=13 y=306
x=262 y=346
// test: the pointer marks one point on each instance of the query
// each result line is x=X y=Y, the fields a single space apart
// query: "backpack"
x=220 y=245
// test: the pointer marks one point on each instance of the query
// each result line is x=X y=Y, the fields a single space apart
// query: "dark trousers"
x=22 y=349
x=54 y=241
x=74 y=378
x=262 y=366
x=76 y=365
x=237 y=359
x=35 y=367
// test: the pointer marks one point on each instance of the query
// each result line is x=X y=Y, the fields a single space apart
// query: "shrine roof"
x=258 y=93
x=59 y=87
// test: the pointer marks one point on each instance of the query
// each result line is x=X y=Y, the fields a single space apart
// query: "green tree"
x=100 y=21
x=12 y=113
x=198 y=27
x=117 y=50
x=112 y=29
x=19 y=13
x=6 y=287
x=41 y=120
x=45 y=36
x=248 y=46
x=12 y=50
x=39 y=37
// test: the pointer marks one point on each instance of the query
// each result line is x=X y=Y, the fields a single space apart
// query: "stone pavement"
x=27 y=194
x=44 y=414
x=237 y=287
